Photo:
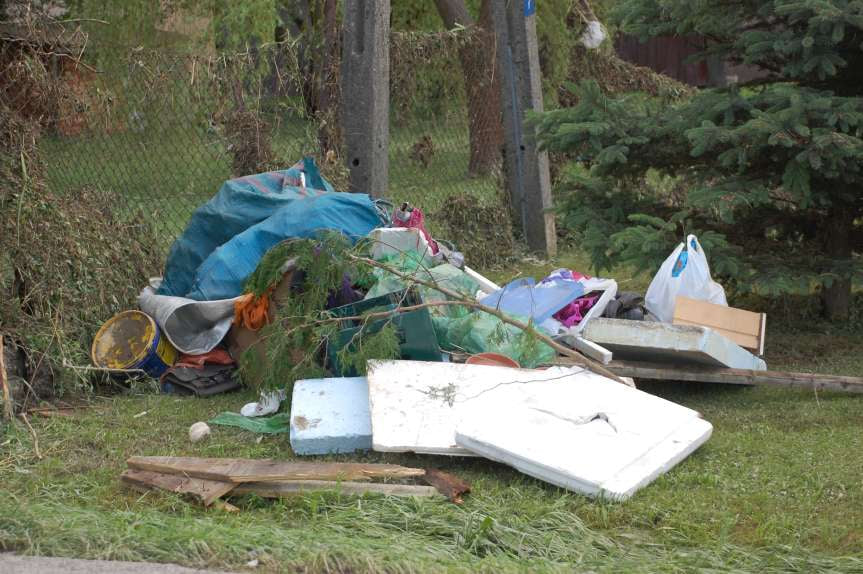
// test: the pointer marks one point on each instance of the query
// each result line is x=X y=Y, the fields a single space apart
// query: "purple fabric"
x=343 y=296
x=573 y=313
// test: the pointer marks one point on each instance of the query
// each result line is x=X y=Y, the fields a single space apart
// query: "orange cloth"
x=251 y=311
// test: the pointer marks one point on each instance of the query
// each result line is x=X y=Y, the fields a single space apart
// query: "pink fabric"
x=416 y=220
x=573 y=313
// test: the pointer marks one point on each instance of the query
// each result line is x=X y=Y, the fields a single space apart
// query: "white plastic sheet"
x=193 y=327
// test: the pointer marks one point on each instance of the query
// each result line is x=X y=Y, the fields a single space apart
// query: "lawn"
x=776 y=489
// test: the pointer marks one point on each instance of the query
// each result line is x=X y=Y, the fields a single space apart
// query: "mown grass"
x=776 y=489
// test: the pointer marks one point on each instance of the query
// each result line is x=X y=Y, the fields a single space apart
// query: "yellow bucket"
x=132 y=340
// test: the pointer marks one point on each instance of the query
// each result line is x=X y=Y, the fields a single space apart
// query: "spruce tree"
x=768 y=172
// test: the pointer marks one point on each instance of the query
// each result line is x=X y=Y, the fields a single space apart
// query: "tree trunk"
x=837 y=297
x=482 y=84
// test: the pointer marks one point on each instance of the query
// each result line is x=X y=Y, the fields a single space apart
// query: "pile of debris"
x=372 y=335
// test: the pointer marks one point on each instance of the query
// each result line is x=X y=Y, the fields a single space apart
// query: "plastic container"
x=132 y=340
x=416 y=334
x=493 y=359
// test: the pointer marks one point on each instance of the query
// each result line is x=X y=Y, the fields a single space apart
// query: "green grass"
x=777 y=488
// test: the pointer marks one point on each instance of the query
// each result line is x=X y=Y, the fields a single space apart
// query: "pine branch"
x=459 y=299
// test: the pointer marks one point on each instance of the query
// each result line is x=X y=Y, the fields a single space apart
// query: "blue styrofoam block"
x=330 y=416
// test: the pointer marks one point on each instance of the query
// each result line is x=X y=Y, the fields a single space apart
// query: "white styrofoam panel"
x=415 y=405
x=592 y=436
x=330 y=416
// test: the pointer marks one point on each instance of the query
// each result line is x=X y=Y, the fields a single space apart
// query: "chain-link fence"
x=160 y=130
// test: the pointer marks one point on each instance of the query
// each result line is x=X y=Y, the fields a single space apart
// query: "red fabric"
x=415 y=219
x=214 y=357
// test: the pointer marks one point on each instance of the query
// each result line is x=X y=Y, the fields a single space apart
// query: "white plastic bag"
x=686 y=273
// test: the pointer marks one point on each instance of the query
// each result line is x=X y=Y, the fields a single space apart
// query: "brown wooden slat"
x=207 y=491
x=447 y=484
x=294 y=487
x=239 y=470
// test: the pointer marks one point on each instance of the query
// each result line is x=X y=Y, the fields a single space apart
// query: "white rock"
x=199 y=431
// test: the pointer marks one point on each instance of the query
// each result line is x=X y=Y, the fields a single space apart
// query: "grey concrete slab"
x=674 y=344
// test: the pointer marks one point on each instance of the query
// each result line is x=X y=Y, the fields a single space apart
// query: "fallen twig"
x=67 y=365
x=8 y=408
x=32 y=432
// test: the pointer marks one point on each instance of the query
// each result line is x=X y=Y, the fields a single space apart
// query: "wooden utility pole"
x=527 y=175
x=366 y=94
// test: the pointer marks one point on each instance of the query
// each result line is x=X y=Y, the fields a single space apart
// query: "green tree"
x=768 y=173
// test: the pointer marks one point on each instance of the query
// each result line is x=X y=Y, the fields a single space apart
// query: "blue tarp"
x=227 y=237
x=223 y=273
x=240 y=204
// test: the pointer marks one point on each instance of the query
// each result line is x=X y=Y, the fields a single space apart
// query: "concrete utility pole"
x=366 y=94
x=527 y=175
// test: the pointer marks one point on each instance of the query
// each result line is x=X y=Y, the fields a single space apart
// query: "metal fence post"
x=527 y=172
x=366 y=94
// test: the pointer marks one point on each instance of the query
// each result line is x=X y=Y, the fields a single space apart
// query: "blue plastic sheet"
x=239 y=204
x=524 y=298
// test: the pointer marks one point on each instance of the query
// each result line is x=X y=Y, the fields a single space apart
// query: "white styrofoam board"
x=330 y=416
x=663 y=342
x=415 y=406
x=594 y=436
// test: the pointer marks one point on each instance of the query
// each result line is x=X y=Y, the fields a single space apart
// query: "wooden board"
x=695 y=373
x=447 y=484
x=239 y=470
x=743 y=327
x=293 y=487
x=207 y=491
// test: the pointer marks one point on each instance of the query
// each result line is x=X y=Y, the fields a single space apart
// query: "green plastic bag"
x=275 y=424
x=480 y=332
x=446 y=275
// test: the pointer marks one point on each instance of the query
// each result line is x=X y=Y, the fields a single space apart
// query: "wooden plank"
x=745 y=328
x=207 y=491
x=447 y=484
x=294 y=487
x=247 y=470
x=665 y=372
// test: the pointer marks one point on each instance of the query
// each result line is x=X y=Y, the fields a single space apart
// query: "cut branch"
x=458 y=299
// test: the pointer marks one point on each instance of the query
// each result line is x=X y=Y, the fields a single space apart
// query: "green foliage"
x=296 y=341
x=764 y=174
